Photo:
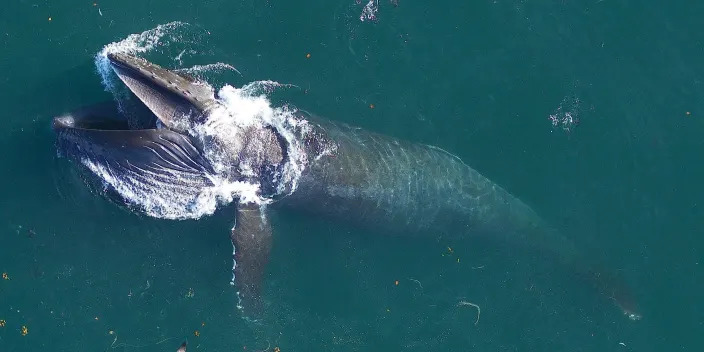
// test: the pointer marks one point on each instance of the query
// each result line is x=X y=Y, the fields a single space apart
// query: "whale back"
x=400 y=187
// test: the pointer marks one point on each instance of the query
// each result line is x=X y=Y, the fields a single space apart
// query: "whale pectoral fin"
x=251 y=238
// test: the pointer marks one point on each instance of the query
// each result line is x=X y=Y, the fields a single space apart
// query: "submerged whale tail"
x=612 y=285
x=522 y=226
x=605 y=281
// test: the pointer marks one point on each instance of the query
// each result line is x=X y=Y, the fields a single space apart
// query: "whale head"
x=170 y=170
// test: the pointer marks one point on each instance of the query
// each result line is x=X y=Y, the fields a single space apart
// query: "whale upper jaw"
x=176 y=99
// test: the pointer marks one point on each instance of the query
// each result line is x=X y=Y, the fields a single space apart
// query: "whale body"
x=317 y=166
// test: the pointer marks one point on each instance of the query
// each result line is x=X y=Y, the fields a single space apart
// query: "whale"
x=305 y=164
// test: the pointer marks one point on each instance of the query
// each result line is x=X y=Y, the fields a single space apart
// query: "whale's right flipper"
x=251 y=238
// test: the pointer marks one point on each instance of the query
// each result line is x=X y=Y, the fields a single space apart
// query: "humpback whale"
x=306 y=164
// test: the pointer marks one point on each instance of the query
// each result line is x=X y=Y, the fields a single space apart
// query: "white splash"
x=244 y=108
x=369 y=11
x=566 y=116
x=199 y=70
x=134 y=44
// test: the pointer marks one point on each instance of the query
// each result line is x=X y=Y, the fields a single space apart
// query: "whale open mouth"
x=155 y=168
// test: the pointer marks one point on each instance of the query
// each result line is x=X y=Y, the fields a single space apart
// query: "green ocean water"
x=591 y=113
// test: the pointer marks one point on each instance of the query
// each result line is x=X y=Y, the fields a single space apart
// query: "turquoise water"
x=590 y=113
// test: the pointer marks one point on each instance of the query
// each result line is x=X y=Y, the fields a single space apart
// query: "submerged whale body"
x=301 y=163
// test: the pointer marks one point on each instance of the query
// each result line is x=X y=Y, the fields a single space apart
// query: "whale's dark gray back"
x=397 y=186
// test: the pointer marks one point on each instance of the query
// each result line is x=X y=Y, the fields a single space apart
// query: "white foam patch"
x=369 y=11
x=566 y=116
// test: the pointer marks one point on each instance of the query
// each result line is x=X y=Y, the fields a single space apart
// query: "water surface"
x=591 y=113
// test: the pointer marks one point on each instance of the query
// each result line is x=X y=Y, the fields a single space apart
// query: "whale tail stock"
x=517 y=223
x=610 y=284
x=604 y=280
x=607 y=282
